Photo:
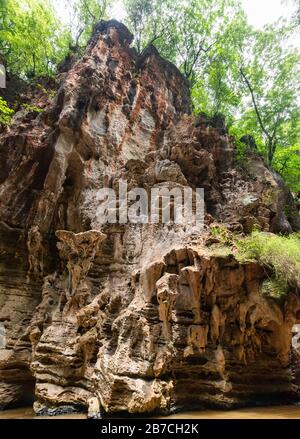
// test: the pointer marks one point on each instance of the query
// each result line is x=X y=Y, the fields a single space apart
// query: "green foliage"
x=273 y=288
x=83 y=15
x=183 y=32
x=152 y=22
x=32 y=108
x=5 y=112
x=241 y=148
x=221 y=233
x=222 y=241
x=279 y=253
x=217 y=89
x=287 y=163
x=251 y=77
x=48 y=92
x=32 y=39
x=271 y=76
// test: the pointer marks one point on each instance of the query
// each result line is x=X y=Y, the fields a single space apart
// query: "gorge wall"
x=134 y=317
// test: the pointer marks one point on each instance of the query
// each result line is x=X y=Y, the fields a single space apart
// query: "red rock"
x=148 y=319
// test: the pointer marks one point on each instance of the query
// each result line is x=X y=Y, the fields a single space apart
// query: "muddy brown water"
x=280 y=412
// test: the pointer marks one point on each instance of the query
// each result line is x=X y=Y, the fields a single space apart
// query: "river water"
x=278 y=412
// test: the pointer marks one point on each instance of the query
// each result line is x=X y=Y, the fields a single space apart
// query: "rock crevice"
x=134 y=317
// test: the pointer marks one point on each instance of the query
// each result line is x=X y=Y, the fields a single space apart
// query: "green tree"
x=153 y=22
x=5 y=112
x=32 y=39
x=183 y=32
x=83 y=15
x=217 y=87
x=270 y=73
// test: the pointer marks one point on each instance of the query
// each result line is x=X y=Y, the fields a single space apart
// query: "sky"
x=259 y=12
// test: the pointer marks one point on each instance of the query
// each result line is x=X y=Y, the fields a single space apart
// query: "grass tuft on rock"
x=281 y=254
x=273 y=288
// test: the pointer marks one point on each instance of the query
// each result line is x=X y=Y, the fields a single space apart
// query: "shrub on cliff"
x=281 y=254
x=5 y=112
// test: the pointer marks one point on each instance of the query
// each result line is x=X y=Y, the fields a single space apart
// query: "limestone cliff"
x=133 y=317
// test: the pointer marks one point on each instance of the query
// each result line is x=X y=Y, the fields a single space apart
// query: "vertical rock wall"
x=133 y=317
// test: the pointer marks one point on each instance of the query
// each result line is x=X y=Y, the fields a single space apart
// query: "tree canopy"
x=250 y=76
x=32 y=39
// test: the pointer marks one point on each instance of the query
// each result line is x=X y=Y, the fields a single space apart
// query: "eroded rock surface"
x=133 y=317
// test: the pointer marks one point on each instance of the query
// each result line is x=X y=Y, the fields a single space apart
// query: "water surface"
x=277 y=412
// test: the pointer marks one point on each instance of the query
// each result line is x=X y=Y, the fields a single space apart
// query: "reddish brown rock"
x=131 y=317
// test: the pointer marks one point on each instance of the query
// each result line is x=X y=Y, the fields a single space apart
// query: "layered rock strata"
x=134 y=317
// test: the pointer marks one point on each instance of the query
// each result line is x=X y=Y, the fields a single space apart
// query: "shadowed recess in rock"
x=138 y=318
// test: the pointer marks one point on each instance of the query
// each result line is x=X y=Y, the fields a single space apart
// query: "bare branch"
x=255 y=104
x=89 y=11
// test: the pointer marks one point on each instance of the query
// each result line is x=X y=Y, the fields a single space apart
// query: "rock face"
x=133 y=317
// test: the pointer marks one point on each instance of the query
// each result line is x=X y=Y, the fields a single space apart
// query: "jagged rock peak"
x=134 y=317
x=103 y=28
